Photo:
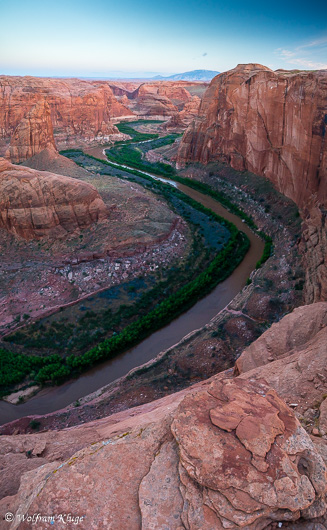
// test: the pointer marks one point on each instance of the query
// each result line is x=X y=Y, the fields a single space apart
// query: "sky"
x=128 y=38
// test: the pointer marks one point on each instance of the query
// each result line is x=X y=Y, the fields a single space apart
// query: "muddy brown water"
x=52 y=399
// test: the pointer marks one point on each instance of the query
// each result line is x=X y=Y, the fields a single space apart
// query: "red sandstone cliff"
x=273 y=124
x=185 y=116
x=33 y=134
x=81 y=111
x=34 y=204
x=270 y=123
x=157 y=98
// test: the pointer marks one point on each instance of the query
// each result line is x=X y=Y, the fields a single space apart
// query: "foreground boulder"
x=35 y=204
x=230 y=456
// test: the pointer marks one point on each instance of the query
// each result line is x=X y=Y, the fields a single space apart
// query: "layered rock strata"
x=270 y=123
x=186 y=115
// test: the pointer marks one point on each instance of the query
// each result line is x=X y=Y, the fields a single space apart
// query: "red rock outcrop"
x=35 y=204
x=313 y=247
x=270 y=123
x=291 y=357
x=230 y=456
x=152 y=100
x=33 y=134
x=159 y=98
x=81 y=111
x=284 y=338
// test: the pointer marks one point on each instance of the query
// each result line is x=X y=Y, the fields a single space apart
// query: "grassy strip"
x=16 y=367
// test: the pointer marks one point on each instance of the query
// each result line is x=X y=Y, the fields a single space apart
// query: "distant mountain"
x=194 y=75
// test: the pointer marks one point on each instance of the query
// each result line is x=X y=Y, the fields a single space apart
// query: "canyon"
x=82 y=112
x=227 y=428
x=270 y=123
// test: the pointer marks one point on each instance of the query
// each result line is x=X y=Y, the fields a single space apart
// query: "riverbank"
x=163 y=375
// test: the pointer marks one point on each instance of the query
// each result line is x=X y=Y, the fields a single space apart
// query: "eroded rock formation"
x=271 y=123
x=230 y=456
x=35 y=204
x=185 y=116
x=81 y=111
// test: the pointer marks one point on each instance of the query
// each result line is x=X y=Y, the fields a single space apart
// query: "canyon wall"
x=81 y=111
x=270 y=123
x=274 y=125
x=162 y=99
x=33 y=134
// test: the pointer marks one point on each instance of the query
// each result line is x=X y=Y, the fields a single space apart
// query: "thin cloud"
x=309 y=64
x=284 y=54
x=306 y=55
x=320 y=43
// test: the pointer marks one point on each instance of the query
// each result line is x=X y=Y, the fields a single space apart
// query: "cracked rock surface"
x=231 y=455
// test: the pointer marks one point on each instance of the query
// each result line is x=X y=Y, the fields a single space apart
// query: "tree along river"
x=55 y=398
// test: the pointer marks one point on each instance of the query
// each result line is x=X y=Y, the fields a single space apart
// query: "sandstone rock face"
x=152 y=100
x=291 y=357
x=314 y=249
x=231 y=456
x=242 y=456
x=81 y=111
x=288 y=336
x=226 y=453
x=34 y=204
x=270 y=123
x=33 y=134
x=185 y=116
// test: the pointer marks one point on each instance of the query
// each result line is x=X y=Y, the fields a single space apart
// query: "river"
x=55 y=398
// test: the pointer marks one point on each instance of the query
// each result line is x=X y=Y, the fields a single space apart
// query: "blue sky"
x=129 y=38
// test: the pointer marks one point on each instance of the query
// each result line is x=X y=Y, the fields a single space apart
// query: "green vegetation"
x=68 y=332
x=219 y=269
x=34 y=424
x=15 y=367
x=202 y=188
x=55 y=369
x=132 y=156
x=136 y=136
